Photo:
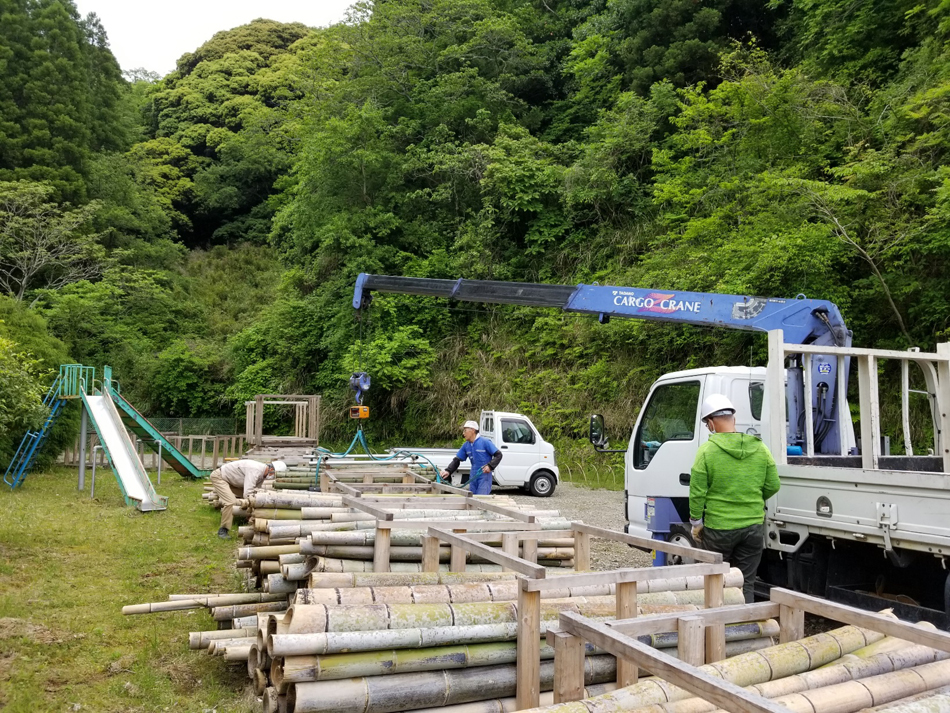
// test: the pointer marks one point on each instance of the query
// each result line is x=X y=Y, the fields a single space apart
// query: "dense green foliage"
x=770 y=148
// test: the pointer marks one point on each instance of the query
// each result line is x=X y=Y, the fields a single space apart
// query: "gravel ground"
x=603 y=508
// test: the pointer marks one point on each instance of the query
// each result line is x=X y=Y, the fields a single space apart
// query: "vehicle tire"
x=681 y=537
x=543 y=484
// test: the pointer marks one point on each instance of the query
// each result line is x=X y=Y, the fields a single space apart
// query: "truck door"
x=662 y=448
x=519 y=447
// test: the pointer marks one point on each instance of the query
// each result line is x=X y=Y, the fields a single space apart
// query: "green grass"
x=67 y=566
x=581 y=465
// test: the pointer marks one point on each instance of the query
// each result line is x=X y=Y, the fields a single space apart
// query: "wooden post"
x=568 y=666
x=430 y=554
x=191 y=446
x=692 y=639
x=214 y=453
x=509 y=545
x=324 y=480
x=381 y=550
x=715 y=633
x=529 y=550
x=791 y=624
x=581 y=551
x=627 y=671
x=528 y=668
x=259 y=420
x=203 y=445
x=457 y=559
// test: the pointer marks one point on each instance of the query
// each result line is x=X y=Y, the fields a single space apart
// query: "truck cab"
x=667 y=435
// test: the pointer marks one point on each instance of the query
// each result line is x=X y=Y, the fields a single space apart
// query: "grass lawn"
x=68 y=564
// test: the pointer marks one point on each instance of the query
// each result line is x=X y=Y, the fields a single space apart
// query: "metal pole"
x=159 y=462
x=83 y=437
x=92 y=489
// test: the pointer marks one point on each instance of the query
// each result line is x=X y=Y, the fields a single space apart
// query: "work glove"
x=697 y=530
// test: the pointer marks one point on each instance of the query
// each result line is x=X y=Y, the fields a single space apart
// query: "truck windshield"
x=670 y=415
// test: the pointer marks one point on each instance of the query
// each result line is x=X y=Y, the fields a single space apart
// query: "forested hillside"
x=202 y=232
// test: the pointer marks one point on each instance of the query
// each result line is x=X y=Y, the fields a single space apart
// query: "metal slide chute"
x=120 y=449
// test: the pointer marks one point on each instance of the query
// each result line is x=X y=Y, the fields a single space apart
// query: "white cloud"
x=154 y=36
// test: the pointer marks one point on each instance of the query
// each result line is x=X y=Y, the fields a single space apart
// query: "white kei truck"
x=527 y=459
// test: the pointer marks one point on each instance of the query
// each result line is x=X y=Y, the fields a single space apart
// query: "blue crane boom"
x=803 y=321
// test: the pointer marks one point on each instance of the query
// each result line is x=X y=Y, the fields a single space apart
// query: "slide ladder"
x=33 y=441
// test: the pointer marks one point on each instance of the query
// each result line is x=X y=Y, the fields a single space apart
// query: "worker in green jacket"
x=732 y=477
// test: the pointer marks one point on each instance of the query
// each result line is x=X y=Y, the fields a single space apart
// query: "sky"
x=154 y=36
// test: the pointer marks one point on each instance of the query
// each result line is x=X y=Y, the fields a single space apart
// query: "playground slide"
x=151 y=437
x=126 y=464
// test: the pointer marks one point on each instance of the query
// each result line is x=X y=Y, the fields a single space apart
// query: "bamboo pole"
x=333 y=565
x=936 y=700
x=355 y=641
x=200 y=602
x=320 y=618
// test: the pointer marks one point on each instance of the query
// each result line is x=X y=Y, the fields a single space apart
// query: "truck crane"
x=840 y=505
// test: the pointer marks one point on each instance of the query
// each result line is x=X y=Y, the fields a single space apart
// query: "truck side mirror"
x=598 y=431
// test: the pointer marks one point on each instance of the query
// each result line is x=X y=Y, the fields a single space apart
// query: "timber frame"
x=306 y=420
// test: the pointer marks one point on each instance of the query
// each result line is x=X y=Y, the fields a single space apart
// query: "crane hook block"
x=360 y=382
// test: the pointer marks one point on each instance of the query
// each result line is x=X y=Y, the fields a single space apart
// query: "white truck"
x=851 y=522
x=527 y=460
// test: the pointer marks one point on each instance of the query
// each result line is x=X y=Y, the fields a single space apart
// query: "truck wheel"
x=680 y=536
x=542 y=484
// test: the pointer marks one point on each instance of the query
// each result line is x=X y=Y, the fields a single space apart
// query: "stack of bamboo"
x=843 y=671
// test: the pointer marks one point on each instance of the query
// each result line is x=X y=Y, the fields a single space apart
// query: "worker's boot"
x=223 y=533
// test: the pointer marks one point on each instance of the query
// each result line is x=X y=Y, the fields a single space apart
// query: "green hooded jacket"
x=732 y=477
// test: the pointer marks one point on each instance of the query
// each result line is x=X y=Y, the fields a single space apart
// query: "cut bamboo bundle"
x=400 y=579
x=745 y=670
x=201 y=639
x=850 y=667
x=409 y=691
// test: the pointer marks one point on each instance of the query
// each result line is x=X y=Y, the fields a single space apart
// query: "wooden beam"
x=361 y=504
x=715 y=690
x=492 y=529
x=648 y=544
x=775 y=396
x=660 y=623
x=857 y=351
x=476 y=504
x=492 y=554
x=640 y=574
x=858 y=617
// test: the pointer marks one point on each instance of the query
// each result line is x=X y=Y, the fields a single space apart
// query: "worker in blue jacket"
x=484 y=456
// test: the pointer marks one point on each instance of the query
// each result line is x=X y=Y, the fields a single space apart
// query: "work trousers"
x=228 y=495
x=741 y=548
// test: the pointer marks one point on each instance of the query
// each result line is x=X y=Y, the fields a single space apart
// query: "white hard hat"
x=470 y=424
x=279 y=466
x=716 y=405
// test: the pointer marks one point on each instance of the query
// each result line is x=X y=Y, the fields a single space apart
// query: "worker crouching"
x=238 y=479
